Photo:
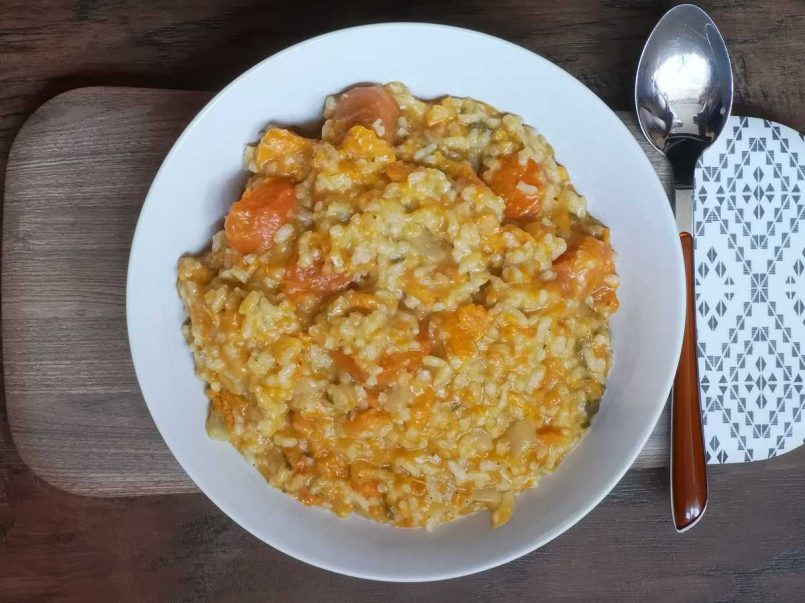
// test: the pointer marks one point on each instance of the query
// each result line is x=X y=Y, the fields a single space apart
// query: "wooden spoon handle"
x=688 y=467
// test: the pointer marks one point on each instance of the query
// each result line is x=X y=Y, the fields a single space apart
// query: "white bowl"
x=202 y=175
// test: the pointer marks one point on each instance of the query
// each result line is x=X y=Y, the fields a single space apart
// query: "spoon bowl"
x=683 y=89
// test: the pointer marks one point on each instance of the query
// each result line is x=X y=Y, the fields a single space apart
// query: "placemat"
x=750 y=256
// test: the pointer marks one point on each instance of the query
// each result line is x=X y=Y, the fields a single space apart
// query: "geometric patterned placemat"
x=750 y=290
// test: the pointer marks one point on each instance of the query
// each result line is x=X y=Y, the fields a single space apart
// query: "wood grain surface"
x=74 y=407
x=57 y=546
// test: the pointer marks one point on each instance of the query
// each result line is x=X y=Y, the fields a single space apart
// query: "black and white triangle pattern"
x=750 y=291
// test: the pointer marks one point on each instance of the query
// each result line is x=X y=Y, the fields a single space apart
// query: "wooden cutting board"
x=77 y=175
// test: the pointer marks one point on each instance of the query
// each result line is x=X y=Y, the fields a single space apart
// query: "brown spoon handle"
x=688 y=467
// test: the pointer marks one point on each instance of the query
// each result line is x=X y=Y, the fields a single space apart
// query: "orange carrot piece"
x=366 y=422
x=464 y=328
x=582 y=271
x=521 y=187
x=347 y=363
x=365 y=105
x=310 y=279
x=253 y=221
x=392 y=364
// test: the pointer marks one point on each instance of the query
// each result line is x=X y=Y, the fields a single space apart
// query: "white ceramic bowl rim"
x=670 y=283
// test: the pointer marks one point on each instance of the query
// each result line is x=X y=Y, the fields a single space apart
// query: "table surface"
x=751 y=542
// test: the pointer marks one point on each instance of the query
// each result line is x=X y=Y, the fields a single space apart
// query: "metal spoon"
x=683 y=96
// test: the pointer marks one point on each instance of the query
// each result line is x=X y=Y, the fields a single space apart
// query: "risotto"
x=408 y=317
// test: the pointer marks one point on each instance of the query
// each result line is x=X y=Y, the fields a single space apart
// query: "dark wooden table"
x=751 y=543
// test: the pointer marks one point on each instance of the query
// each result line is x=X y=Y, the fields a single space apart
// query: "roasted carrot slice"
x=395 y=363
x=582 y=271
x=310 y=279
x=366 y=422
x=255 y=219
x=520 y=185
x=463 y=328
x=364 y=105
x=348 y=364
x=392 y=364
